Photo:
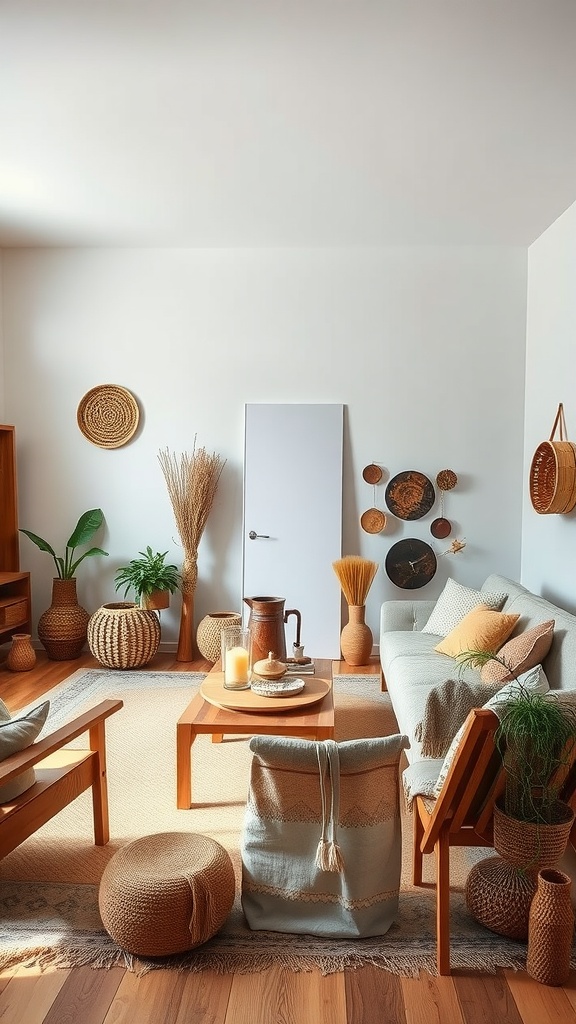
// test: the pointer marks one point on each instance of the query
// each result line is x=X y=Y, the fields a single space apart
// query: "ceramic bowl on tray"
x=278 y=687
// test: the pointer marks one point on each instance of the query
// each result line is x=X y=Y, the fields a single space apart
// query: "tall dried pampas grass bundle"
x=355 y=575
x=192 y=480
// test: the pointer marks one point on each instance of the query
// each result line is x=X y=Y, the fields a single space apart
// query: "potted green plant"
x=66 y=565
x=151 y=579
x=62 y=627
x=536 y=741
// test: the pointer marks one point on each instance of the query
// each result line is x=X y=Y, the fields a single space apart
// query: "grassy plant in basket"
x=536 y=739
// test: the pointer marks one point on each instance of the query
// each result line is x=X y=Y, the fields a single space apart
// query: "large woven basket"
x=122 y=635
x=553 y=472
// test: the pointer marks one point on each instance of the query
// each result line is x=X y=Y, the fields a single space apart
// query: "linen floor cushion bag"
x=321 y=844
x=16 y=734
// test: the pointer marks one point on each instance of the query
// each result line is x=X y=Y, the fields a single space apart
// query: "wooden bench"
x=61 y=775
x=462 y=813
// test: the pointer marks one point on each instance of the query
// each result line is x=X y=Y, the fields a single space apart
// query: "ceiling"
x=293 y=123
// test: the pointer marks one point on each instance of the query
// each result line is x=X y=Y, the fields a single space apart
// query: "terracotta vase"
x=550 y=929
x=209 y=633
x=62 y=627
x=356 y=637
x=21 y=656
x=122 y=635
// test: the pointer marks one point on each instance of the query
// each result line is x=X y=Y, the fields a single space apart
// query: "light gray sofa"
x=412 y=667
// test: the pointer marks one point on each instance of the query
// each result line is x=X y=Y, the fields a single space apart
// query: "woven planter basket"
x=121 y=635
x=209 y=633
x=62 y=627
x=531 y=846
x=553 y=472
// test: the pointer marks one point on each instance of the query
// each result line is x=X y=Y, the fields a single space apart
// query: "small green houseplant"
x=66 y=565
x=151 y=579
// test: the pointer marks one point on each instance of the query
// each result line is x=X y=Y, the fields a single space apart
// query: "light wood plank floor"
x=367 y=996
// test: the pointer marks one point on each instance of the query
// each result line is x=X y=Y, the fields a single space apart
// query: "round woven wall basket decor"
x=553 y=472
x=108 y=415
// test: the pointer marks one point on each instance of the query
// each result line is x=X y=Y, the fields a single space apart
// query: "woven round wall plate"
x=108 y=415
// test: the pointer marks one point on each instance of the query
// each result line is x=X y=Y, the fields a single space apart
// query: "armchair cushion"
x=16 y=734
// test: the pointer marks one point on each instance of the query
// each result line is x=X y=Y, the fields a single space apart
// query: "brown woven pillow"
x=521 y=653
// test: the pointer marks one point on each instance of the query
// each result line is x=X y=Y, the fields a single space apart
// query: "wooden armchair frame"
x=61 y=775
x=462 y=815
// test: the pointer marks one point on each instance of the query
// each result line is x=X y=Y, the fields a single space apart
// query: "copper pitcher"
x=266 y=622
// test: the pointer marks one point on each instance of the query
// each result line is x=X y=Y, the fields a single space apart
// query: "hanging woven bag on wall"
x=553 y=472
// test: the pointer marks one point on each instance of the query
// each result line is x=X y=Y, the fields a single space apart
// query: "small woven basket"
x=121 y=635
x=553 y=472
x=551 y=929
x=209 y=633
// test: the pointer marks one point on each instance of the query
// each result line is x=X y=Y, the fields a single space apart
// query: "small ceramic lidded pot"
x=269 y=668
x=236 y=657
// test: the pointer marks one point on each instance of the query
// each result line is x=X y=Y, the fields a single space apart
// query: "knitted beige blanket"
x=447 y=706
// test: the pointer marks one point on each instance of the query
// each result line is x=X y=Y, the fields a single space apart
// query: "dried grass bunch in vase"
x=192 y=479
x=355 y=575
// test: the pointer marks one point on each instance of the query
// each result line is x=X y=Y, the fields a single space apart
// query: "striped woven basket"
x=553 y=472
x=122 y=635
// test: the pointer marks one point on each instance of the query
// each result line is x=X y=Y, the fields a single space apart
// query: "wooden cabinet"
x=15 y=607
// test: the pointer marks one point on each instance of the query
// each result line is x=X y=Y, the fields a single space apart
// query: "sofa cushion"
x=455 y=602
x=482 y=629
x=520 y=653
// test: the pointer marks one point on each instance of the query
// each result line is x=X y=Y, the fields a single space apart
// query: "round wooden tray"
x=213 y=691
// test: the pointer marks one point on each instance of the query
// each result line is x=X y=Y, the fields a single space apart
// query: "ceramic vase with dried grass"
x=355 y=575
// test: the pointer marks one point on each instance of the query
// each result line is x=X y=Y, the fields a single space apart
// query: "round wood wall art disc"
x=372 y=474
x=441 y=528
x=446 y=479
x=108 y=415
x=373 y=520
x=411 y=564
x=410 y=495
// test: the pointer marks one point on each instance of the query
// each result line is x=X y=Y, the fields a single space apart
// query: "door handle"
x=254 y=536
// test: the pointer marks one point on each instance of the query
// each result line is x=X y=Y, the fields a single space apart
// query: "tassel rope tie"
x=328 y=854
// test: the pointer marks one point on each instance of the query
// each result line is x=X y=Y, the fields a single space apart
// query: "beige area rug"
x=49 y=885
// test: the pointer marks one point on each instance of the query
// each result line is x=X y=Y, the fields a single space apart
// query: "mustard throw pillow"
x=520 y=653
x=482 y=629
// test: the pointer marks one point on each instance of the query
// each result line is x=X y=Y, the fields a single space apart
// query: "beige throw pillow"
x=455 y=602
x=481 y=630
x=15 y=735
x=520 y=653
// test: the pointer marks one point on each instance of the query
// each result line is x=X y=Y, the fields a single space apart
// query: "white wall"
x=549 y=541
x=424 y=346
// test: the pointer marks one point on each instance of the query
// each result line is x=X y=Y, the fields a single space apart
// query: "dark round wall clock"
x=410 y=495
x=411 y=564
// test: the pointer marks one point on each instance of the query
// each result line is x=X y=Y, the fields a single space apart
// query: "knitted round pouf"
x=166 y=893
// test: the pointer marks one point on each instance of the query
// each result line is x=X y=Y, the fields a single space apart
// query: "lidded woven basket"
x=553 y=472
x=122 y=635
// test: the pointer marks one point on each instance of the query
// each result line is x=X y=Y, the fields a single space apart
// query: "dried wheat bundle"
x=191 y=480
x=355 y=575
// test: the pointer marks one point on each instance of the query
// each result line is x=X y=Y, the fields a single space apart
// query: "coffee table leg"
x=185 y=737
x=217 y=737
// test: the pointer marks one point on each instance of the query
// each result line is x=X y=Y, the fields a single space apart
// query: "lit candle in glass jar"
x=236 y=667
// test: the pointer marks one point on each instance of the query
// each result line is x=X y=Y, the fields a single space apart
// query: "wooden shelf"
x=15 y=604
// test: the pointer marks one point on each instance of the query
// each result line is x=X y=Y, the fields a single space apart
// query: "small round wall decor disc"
x=441 y=528
x=108 y=415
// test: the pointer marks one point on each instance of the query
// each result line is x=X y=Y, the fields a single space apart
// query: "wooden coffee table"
x=314 y=721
